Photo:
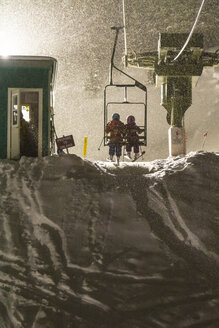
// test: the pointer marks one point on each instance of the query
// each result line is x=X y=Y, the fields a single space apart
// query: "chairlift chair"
x=142 y=104
x=126 y=102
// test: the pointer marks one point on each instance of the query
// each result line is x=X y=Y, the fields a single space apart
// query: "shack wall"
x=22 y=77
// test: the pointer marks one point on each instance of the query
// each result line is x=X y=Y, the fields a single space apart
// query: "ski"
x=115 y=163
x=110 y=160
x=138 y=156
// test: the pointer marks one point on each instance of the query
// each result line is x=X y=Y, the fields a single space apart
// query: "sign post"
x=85 y=147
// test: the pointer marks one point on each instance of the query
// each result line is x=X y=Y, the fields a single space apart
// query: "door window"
x=29 y=123
x=15 y=110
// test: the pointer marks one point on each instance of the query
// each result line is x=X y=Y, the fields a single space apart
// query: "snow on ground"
x=87 y=244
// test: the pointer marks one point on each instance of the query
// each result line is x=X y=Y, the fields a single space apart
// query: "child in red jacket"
x=116 y=130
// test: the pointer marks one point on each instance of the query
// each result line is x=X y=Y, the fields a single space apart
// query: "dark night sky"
x=77 y=33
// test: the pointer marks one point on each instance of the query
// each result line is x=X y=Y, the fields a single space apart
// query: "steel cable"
x=191 y=32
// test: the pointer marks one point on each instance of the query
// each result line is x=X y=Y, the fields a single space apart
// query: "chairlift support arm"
x=112 y=65
x=125 y=86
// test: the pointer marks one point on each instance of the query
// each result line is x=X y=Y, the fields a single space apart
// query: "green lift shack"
x=26 y=106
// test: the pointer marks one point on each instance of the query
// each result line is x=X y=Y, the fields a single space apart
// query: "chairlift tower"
x=176 y=77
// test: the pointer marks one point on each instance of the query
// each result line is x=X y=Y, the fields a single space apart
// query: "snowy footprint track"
x=34 y=264
x=85 y=243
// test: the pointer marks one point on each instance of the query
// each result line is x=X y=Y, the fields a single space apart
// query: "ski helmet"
x=130 y=119
x=116 y=116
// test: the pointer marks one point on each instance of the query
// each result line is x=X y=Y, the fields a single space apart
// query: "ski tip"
x=110 y=160
x=135 y=159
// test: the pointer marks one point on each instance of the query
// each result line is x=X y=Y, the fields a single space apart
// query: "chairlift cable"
x=124 y=28
x=191 y=32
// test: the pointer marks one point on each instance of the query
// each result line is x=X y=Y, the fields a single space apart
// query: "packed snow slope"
x=89 y=245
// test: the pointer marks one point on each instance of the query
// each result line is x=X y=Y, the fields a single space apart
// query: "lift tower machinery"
x=176 y=77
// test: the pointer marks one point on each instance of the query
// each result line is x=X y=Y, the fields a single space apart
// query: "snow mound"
x=88 y=244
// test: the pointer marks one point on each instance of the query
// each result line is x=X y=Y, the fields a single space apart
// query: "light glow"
x=9 y=44
x=25 y=110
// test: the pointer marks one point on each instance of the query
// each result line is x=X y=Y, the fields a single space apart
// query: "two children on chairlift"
x=118 y=131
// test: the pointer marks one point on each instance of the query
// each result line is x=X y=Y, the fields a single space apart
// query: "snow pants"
x=134 y=145
x=115 y=148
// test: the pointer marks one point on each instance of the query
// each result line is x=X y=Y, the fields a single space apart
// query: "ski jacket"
x=116 y=130
x=131 y=133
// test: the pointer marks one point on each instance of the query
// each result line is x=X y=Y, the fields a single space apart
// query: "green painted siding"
x=3 y=123
x=20 y=77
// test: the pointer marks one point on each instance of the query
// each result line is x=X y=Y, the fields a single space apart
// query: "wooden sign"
x=65 y=142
